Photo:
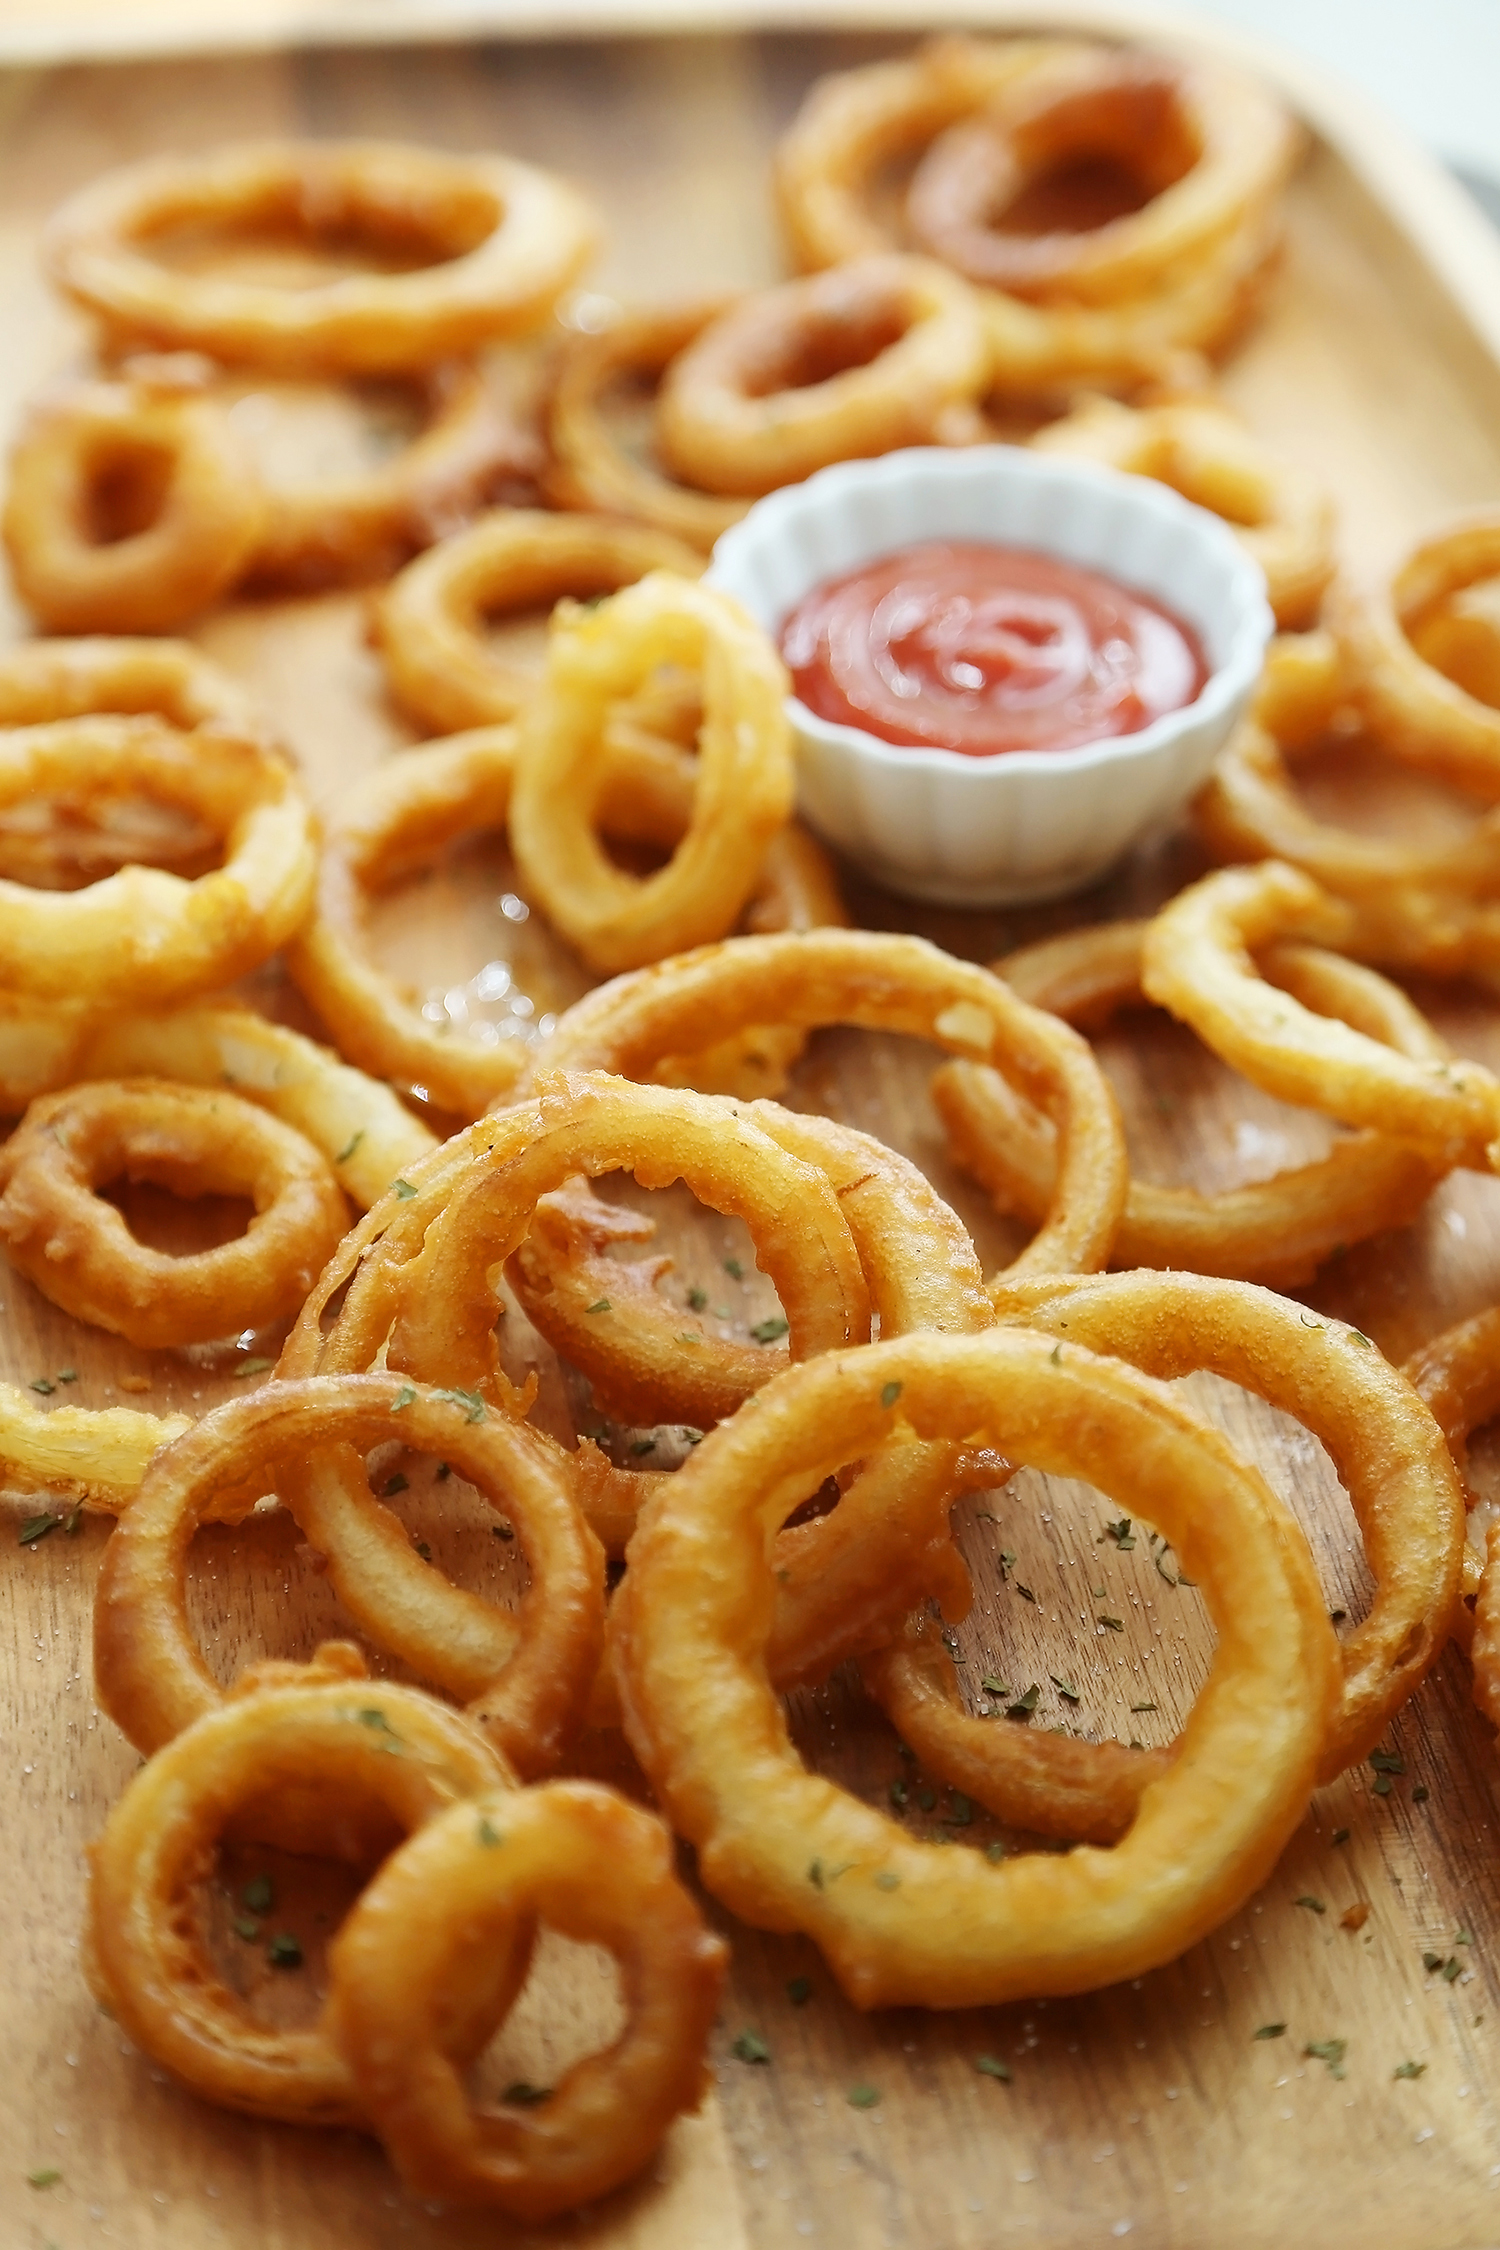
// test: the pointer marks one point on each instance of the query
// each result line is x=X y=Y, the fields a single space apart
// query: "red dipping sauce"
x=957 y=645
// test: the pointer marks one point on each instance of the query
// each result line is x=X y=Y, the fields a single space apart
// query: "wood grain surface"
x=1152 y=2112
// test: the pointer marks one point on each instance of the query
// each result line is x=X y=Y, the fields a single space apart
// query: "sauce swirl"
x=959 y=645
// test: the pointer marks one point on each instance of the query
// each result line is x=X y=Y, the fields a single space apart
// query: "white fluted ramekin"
x=1028 y=824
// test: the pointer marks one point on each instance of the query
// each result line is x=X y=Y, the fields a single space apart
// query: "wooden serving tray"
x=1150 y=2112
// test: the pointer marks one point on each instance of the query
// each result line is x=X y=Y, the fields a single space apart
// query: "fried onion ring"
x=95 y=1456
x=1386 y=1450
x=884 y=983
x=143 y=934
x=1458 y=1374
x=1208 y=146
x=903 y=1922
x=78 y=1251
x=745 y=782
x=41 y=681
x=148 y=1672
x=1282 y=517
x=1418 y=713
x=131 y=508
x=595 y=1869
x=487 y=244
x=412 y=807
x=428 y=623
x=881 y=353
x=359 y=1746
x=1277 y=1231
x=1197 y=961
x=589 y=468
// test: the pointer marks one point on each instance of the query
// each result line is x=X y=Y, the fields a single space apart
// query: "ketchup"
x=956 y=645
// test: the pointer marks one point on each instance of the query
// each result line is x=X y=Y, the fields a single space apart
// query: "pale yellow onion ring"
x=428 y=622
x=745 y=784
x=503 y=240
x=189 y=549
x=1282 y=517
x=884 y=983
x=1278 y=1230
x=744 y=408
x=1197 y=962
x=94 y=1455
x=903 y=1922
x=589 y=468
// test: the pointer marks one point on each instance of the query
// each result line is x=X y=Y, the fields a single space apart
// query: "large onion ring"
x=1416 y=711
x=428 y=621
x=589 y=469
x=1282 y=517
x=903 y=1922
x=502 y=239
x=148 y=1672
x=745 y=783
x=884 y=983
x=192 y=545
x=1277 y=1231
x=1197 y=961
x=1210 y=147
x=595 y=1869
x=748 y=405
x=359 y=1744
x=78 y=1251
x=143 y=934
x=1387 y=1450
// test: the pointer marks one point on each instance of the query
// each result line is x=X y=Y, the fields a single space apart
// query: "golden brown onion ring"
x=1282 y=517
x=745 y=785
x=484 y=245
x=428 y=623
x=903 y=1922
x=1413 y=709
x=131 y=508
x=1198 y=962
x=881 y=353
x=884 y=983
x=589 y=468
x=77 y=1250
x=1458 y=1374
x=1209 y=147
x=354 y=1745
x=1278 y=1230
x=539 y=1663
x=594 y=1869
x=143 y=934
x=41 y=681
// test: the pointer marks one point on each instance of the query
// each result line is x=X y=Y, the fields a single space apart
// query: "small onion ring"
x=882 y=982
x=1197 y=961
x=1211 y=147
x=503 y=240
x=148 y=1672
x=1282 y=517
x=589 y=468
x=143 y=934
x=195 y=543
x=903 y=1922
x=1387 y=1450
x=355 y=1742
x=1277 y=1231
x=428 y=623
x=77 y=1250
x=41 y=681
x=746 y=407
x=595 y=1869
x=1416 y=712
x=745 y=781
